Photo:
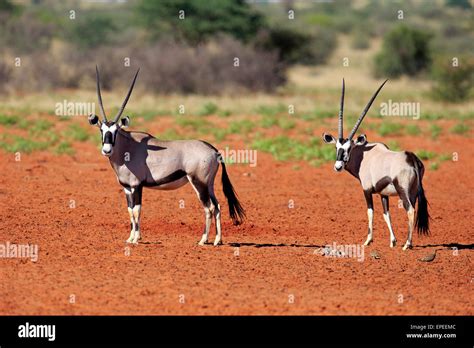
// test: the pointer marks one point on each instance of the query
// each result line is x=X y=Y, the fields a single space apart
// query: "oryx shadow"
x=138 y=167
x=270 y=245
x=448 y=246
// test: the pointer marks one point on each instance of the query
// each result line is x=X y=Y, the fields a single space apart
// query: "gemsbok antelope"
x=381 y=171
x=140 y=160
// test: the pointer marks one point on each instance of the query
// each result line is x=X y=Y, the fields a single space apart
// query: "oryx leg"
x=370 y=215
x=217 y=215
x=386 y=216
x=202 y=192
x=409 y=207
x=134 y=202
x=411 y=223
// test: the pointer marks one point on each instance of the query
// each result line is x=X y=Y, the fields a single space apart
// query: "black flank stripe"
x=167 y=179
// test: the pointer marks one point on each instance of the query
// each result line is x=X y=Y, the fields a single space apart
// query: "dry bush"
x=166 y=67
x=209 y=69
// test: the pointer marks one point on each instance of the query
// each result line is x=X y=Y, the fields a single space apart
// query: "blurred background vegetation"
x=195 y=53
x=292 y=54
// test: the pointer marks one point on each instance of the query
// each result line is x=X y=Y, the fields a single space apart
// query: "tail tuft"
x=422 y=222
x=236 y=212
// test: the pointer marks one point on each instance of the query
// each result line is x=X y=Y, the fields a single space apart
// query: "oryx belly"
x=389 y=190
x=173 y=185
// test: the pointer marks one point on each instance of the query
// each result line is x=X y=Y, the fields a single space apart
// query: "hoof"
x=217 y=242
x=393 y=243
x=368 y=241
x=407 y=246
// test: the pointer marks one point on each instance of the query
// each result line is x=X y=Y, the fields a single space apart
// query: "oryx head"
x=109 y=129
x=344 y=146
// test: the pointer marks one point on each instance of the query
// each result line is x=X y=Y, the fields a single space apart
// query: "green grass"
x=8 y=120
x=64 y=148
x=435 y=131
x=283 y=122
x=274 y=110
x=318 y=115
x=393 y=145
x=389 y=128
x=425 y=155
x=283 y=148
x=241 y=127
x=207 y=109
x=198 y=124
x=434 y=166
x=460 y=129
x=286 y=124
x=41 y=125
x=224 y=113
x=150 y=115
x=413 y=129
x=17 y=143
x=77 y=133
x=219 y=134
x=445 y=157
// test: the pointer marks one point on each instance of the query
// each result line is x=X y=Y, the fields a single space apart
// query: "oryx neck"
x=357 y=154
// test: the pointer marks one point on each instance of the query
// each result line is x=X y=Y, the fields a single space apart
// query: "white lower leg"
x=205 y=235
x=393 y=240
x=370 y=215
x=132 y=230
x=217 y=215
x=411 y=223
x=136 y=217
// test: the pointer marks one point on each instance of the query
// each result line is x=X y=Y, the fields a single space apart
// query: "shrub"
x=453 y=83
x=404 y=51
x=360 y=39
x=295 y=46
x=90 y=31
x=460 y=128
x=203 y=19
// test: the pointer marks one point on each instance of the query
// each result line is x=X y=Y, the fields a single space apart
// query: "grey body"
x=142 y=161
x=384 y=172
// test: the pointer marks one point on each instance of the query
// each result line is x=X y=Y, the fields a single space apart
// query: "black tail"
x=237 y=213
x=422 y=222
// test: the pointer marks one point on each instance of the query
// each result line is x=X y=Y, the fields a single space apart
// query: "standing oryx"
x=140 y=160
x=382 y=171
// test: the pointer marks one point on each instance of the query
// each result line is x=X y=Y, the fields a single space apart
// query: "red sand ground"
x=82 y=249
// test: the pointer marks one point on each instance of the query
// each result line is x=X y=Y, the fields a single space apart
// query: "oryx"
x=379 y=170
x=140 y=160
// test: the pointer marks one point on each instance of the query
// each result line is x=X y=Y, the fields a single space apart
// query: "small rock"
x=428 y=258
x=375 y=254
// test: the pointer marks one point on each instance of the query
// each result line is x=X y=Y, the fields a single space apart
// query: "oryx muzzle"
x=381 y=171
x=140 y=160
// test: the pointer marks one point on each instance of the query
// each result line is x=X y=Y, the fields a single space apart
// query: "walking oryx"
x=140 y=160
x=382 y=171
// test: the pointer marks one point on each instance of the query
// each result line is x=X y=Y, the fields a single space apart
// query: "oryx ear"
x=361 y=140
x=125 y=122
x=93 y=119
x=328 y=138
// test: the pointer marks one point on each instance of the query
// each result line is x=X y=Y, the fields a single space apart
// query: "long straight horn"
x=126 y=98
x=367 y=107
x=341 y=112
x=99 y=96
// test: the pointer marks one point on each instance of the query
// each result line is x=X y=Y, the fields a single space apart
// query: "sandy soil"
x=268 y=265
